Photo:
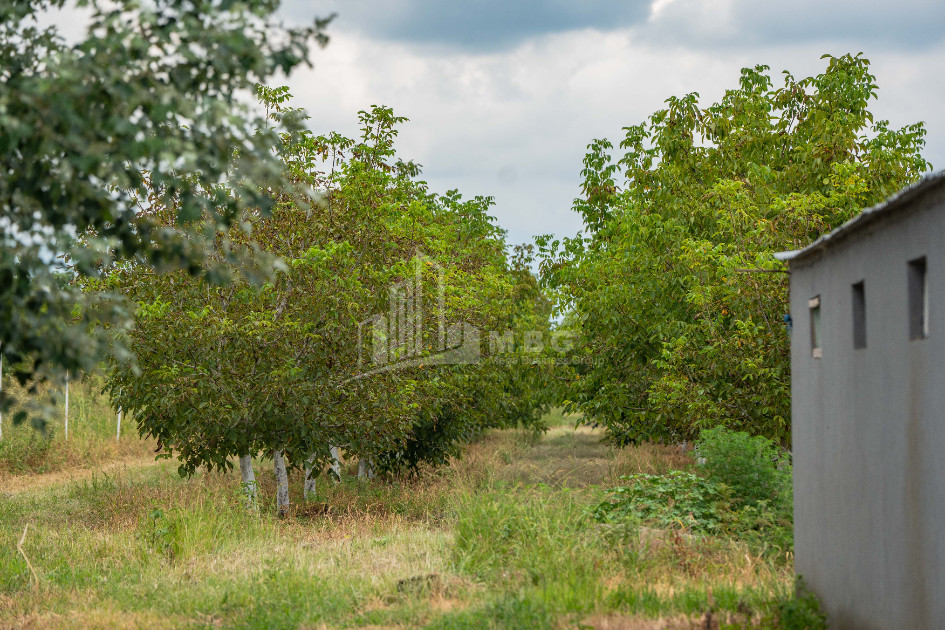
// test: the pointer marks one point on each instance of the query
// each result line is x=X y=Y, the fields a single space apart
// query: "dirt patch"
x=91 y=619
x=15 y=484
x=707 y=621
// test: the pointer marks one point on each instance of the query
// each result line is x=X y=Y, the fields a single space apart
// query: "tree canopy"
x=241 y=369
x=674 y=288
x=149 y=107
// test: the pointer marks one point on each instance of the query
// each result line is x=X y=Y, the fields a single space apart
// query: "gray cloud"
x=905 y=24
x=491 y=25
x=472 y=25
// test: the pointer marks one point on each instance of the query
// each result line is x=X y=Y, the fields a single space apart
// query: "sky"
x=503 y=96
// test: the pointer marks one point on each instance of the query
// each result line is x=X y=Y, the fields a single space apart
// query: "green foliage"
x=798 y=613
x=658 y=291
x=741 y=496
x=676 y=500
x=150 y=103
x=155 y=530
x=286 y=365
x=540 y=542
x=757 y=476
x=748 y=465
x=768 y=529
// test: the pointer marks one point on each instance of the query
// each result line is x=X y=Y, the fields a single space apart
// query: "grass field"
x=24 y=452
x=501 y=538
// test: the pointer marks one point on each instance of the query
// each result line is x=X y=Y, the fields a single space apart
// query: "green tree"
x=146 y=108
x=279 y=369
x=674 y=288
x=509 y=388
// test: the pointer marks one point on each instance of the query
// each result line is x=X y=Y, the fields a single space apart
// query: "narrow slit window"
x=918 y=299
x=814 y=305
x=859 y=315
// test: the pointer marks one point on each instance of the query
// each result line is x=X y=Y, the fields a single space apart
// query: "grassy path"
x=16 y=484
x=499 y=539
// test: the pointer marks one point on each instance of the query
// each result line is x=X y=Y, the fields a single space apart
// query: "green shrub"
x=685 y=500
x=672 y=500
x=799 y=613
x=767 y=529
x=748 y=465
x=788 y=612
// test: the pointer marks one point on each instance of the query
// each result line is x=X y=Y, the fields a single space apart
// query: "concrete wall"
x=869 y=428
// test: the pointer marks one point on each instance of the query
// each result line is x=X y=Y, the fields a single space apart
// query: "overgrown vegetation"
x=277 y=278
x=150 y=100
x=688 y=217
x=754 y=468
x=740 y=489
x=504 y=537
x=92 y=433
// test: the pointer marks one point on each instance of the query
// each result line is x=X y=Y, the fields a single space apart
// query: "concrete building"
x=868 y=410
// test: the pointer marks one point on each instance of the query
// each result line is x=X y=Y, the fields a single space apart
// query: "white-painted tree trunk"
x=67 y=405
x=309 y=492
x=248 y=478
x=282 y=484
x=365 y=469
x=336 y=464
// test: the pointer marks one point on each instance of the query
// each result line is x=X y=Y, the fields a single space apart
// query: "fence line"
x=67 y=404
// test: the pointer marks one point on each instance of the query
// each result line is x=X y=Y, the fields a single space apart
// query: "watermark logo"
x=414 y=331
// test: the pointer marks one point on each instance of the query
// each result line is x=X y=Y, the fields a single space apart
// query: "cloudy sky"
x=504 y=95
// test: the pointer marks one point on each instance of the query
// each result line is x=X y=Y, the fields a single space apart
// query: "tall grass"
x=503 y=538
x=533 y=540
x=92 y=432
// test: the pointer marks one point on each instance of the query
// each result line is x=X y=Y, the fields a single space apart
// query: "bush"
x=707 y=505
x=748 y=465
x=799 y=613
x=675 y=499
x=768 y=530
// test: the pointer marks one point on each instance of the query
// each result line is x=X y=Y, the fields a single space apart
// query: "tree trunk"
x=336 y=464
x=282 y=484
x=365 y=469
x=310 y=475
x=250 y=489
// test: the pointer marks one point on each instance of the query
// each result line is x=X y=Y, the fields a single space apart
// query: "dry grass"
x=115 y=462
x=703 y=621
x=91 y=443
x=564 y=457
x=140 y=547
